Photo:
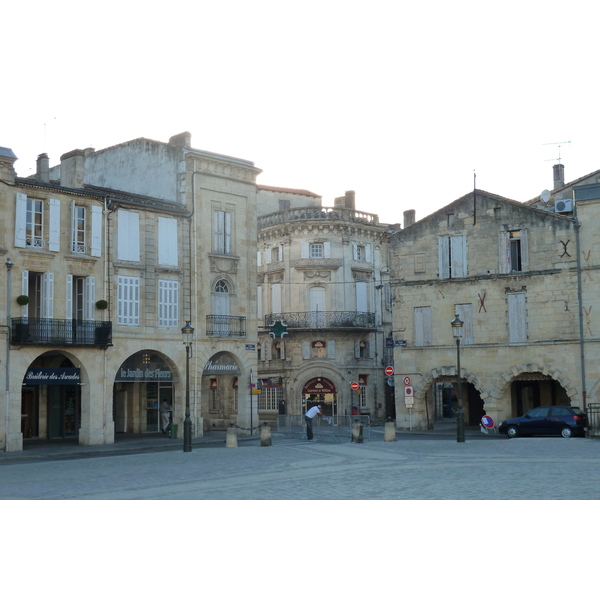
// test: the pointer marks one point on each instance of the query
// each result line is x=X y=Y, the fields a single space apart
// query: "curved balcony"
x=325 y=319
x=311 y=213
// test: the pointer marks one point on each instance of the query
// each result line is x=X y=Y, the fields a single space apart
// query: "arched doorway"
x=221 y=385
x=142 y=383
x=51 y=399
x=530 y=390
x=320 y=390
x=446 y=402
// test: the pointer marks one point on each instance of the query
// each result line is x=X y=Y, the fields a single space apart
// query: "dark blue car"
x=547 y=420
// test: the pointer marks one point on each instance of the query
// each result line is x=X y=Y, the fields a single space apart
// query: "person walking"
x=308 y=417
x=165 y=416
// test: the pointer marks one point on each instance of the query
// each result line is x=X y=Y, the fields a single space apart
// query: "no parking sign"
x=487 y=422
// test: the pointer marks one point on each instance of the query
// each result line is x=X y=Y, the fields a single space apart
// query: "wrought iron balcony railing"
x=324 y=320
x=225 y=326
x=60 y=332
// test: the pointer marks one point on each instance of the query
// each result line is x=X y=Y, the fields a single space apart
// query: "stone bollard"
x=357 y=434
x=231 y=439
x=265 y=435
x=389 y=433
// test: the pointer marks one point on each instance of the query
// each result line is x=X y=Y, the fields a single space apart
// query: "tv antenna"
x=559 y=144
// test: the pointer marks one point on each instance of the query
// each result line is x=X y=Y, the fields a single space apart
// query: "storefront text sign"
x=48 y=376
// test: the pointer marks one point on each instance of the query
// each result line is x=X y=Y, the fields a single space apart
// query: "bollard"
x=231 y=439
x=357 y=433
x=265 y=435
x=389 y=433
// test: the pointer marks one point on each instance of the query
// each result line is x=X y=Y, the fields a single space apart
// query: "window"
x=513 y=251
x=316 y=251
x=363 y=349
x=78 y=229
x=40 y=289
x=361 y=252
x=270 y=397
x=128 y=301
x=222 y=232
x=423 y=335
x=168 y=303
x=221 y=307
x=167 y=242
x=362 y=296
x=276 y=299
x=362 y=394
x=80 y=294
x=34 y=224
x=452 y=256
x=128 y=236
x=319 y=349
x=517 y=317
x=30 y=225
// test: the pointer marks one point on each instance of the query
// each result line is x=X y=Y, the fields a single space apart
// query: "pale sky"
x=400 y=101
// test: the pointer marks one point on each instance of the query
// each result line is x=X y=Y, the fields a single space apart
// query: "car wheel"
x=512 y=431
x=566 y=432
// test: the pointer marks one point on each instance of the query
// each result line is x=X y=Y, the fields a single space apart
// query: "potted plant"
x=23 y=299
x=102 y=304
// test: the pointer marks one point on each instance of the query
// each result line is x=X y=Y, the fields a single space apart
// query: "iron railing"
x=225 y=326
x=324 y=320
x=60 y=332
x=593 y=420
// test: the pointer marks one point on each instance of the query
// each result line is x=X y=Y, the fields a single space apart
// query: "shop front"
x=221 y=385
x=51 y=401
x=320 y=390
x=142 y=384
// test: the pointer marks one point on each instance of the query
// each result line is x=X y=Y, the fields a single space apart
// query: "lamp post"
x=187 y=331
x=457 y=326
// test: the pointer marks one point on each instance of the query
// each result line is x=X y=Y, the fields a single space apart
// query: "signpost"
x=409 y=401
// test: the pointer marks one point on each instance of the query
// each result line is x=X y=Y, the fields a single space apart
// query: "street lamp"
x=457 y=326
x=187 y=331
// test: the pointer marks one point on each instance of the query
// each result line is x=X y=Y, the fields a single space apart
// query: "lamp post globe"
x=457 y=327
x=187 y=331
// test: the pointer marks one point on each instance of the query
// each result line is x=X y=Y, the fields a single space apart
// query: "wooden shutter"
x=458 y=250
x=503 y=252
x=90 y=297
x=423 y=335
x=21 y=221
x=362 y=300
x=69 y=298
x=276 y=298
x=444 y=257
x=326 y=249
x=96 y=241
x=305 y=349
x=54 y=225
x=517 y=321
x=331 y=349
x=25 y=291
x=47 y=295
x=128 y=238
x=167 y=242
x=305 y=250
x=524 y=251
x=465 y=313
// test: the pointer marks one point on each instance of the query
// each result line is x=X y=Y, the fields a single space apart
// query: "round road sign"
x=354 y=385
x=487 y=421
x=389 y=371
x=407 y=381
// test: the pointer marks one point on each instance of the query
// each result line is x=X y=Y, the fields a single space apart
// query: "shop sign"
x=319 y=385
x=221 y=363
x=274 y=382
x=144 y=366
x=48 y=376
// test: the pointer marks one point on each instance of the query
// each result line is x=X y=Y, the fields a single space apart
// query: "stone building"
x=321 y=273
x=165 y=234
x=511 y=272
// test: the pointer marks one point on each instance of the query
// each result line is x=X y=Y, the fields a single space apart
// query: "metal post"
x=187 y=423
x=460 y=419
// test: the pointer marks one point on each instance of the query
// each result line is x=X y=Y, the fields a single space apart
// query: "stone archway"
x=320 y=390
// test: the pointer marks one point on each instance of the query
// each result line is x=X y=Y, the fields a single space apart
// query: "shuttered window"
x=222 y=232
x=168 y=303
x=167 y=242
x=128 y=301
x=128 y=238
x=517 y=317
x=452 y=256
x=423 y=330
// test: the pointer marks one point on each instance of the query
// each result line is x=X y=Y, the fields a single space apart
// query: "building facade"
x=162 y=234
x=320 y=276
x=510 y=271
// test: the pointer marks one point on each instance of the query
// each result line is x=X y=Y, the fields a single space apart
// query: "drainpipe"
x=9 y=266
x=579 y=294
x=194 y=284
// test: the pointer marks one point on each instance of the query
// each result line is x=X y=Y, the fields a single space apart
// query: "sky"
x=402 y=102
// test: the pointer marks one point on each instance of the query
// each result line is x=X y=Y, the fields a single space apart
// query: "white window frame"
x=168 y=303
x=269 y=398
x=222 y=221
x=362 y=397
x=34 y=232
x=78 y=229
x=128 y=300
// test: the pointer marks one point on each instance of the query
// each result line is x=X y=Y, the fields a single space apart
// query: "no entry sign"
x=354 y=385
x=389 y=371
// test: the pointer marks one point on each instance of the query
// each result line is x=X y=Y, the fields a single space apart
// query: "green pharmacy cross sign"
x=278 y=329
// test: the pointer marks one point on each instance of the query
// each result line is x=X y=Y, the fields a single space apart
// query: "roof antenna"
x=559 y=144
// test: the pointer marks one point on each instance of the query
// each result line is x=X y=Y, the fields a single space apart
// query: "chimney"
x=72 y=169
x=559 y=176
x=348 y=200
x=7 y=161
x=409 y=218
x=43 y=168
x=183 y=140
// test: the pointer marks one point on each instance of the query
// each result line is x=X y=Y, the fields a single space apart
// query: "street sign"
x=408 y=391
x=487 y=422
x=354 y=385
x=408 y=395
x=389 y=371
x=390 y=381
x=407 y=381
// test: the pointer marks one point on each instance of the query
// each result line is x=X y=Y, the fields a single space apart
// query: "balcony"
x=225 y=326
x=60 y=332
x=324 y=320
x=312 y=213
